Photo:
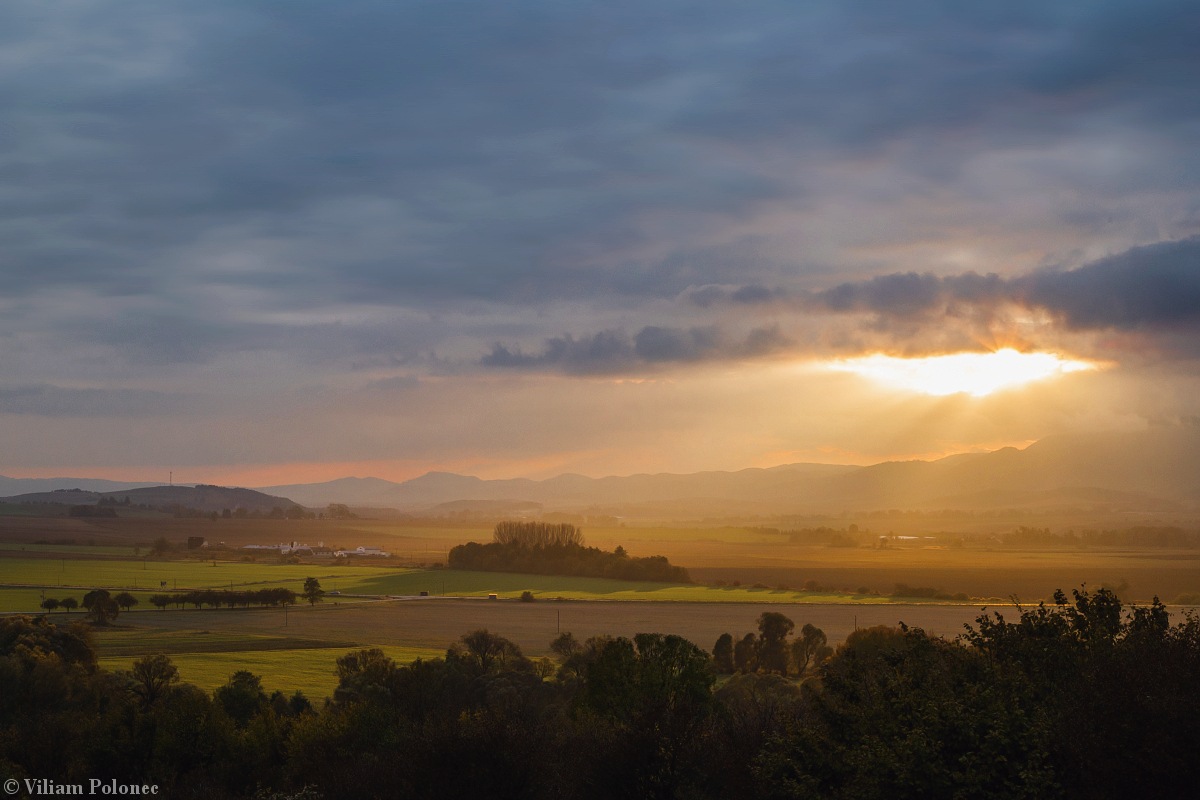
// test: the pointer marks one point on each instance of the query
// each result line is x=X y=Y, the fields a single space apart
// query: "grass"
x=24 y=580
x=462 y=583
x=138 y=641
x=208 y=657
x=287 y=669
x=149 y=575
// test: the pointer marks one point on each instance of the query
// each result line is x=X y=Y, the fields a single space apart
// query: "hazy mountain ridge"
x=16 y=486
x=1155 y=469
x=202 y=498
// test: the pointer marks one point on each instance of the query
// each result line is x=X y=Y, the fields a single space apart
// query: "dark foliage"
x=1081 y=698
x=539 y=548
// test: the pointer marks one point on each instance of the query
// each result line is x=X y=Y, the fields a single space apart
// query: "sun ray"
x=976 y=374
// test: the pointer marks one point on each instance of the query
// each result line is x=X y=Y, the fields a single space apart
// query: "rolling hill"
x=1155 y=469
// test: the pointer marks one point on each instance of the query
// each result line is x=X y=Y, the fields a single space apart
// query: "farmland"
x=740 y=572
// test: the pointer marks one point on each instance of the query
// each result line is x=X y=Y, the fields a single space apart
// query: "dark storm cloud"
x=872 y=73
x=612 y=351
x=1152 y=287
x=1156 y=286
x=422 y=155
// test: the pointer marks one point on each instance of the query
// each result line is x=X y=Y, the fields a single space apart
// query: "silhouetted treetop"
x=536 y=534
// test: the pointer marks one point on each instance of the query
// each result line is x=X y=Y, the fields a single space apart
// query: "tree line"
x=540 y=548
x=1079 y=698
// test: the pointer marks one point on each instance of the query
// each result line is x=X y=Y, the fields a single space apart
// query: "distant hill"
x=1151 y=470
x=202 y=498
x=567 y=491
x=15 y=486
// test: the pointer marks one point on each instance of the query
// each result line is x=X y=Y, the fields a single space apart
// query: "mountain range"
x=1157 y=469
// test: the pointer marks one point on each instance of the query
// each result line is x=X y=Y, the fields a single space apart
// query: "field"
x=297 y=649
x=742 y=571
x=207 y=658
x=747 y=554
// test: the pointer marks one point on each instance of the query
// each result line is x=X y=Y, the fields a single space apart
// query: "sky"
x=260 y=243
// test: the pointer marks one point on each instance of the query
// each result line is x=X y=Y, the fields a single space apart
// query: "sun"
x=976 y=374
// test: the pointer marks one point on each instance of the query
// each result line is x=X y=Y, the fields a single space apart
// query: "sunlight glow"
x=976 y=374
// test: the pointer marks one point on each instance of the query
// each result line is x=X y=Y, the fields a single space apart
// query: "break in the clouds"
x=1154 y=289
x=240 y=201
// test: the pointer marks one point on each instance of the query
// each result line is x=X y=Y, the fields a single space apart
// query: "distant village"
x=319 y=550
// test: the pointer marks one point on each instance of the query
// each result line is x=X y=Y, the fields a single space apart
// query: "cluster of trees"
x=232 y=598
x=1076 y=699
x=540 y=548
x=101 y=605
x=536 y=534
x=770 y=651
x=65 y=720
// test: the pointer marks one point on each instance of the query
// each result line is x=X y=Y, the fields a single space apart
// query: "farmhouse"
x=375 y=552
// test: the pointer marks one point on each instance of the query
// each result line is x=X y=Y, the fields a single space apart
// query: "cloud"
x=56 y=401
x=1155 y=286
x=237 y=200
x=612 y=351
x=1151 y=287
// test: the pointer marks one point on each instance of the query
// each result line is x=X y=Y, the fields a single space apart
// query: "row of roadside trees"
x=103 y=606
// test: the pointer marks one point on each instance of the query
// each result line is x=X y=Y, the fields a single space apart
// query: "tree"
x=566 y=645
x=485 y=650
x=723 y=654
x=152 y=676
x=125 y=600
x=69 y=603
x=160 y=601
x=537 y=534
x=101 y=606
x=242 y=697
x=339 y=511
x=50 y=604
x=313 y=592
x=773 y=630
x=811 y=648
x=745 y=654
x=656 y=694
x=363 y=672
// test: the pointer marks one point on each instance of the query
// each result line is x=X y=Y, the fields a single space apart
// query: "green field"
x=207 y=658
x=25 y=579
x=72 y=571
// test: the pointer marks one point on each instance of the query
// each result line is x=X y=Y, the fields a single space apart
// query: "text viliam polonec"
x=44 y=787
